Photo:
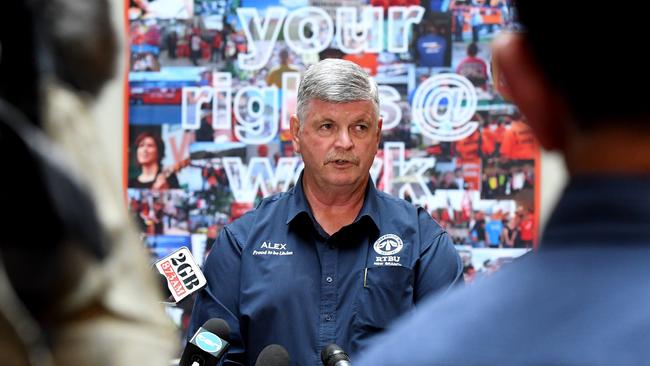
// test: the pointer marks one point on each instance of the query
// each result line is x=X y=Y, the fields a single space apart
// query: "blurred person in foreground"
x=75 y=285
x=582 y=298
x=333 y=260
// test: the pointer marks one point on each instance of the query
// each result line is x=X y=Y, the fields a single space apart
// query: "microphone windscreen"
x=273 y=355
x=219 y=327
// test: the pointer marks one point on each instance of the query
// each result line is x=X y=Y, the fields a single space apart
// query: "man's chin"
x=343 y=179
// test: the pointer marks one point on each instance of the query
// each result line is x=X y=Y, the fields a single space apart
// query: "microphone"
x=333 y=355
x=273 y=355
x=208 y=345
x=184 y=276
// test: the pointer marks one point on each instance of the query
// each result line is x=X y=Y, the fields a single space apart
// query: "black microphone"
x=273 y=355
x=208 y=345
x=333 y=355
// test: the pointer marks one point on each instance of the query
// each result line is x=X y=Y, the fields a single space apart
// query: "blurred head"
x=149 y=149
x=472 y=49
x=284 y=57
x=431 y=28
x=287 y=150
x=262 y=150
x=66 y=41
x=562 y=60
x=337 y=125
x=583 y=86
x=83 y=41
x=448 y=177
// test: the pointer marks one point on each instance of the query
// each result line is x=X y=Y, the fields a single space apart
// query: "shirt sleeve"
x=440 y=266
x=220 y=298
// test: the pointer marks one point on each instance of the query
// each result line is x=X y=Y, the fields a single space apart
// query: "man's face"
x=337 y=141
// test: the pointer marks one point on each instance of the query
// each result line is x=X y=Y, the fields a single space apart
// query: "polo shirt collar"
x=298 y=204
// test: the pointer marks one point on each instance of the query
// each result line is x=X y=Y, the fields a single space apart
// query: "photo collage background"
x=214 y=127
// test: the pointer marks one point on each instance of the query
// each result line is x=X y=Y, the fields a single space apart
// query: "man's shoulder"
x=389 y=200
x=394 y=205
x=530 y=306
x=268 y=206
x=274 y=201
x=405 y=213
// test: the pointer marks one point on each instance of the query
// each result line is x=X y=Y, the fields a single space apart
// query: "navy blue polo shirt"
x=276 y=277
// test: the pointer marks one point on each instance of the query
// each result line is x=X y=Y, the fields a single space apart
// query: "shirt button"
x=328 y=317
x=329 y=279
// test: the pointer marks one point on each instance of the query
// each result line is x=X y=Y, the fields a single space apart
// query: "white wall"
x=554 y=176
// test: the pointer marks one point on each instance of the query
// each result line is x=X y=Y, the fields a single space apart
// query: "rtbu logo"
x=388 y=244
x=183 y=274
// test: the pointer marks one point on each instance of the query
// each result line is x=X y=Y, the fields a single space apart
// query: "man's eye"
x=360 y=128
x=326 y=126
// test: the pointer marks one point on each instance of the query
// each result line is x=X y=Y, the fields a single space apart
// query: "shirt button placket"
x=329 y=296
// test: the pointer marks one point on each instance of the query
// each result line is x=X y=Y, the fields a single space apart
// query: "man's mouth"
x=342 y=161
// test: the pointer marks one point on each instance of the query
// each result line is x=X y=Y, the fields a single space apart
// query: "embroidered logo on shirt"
x=386 y=247
x=388 y=244
x=270 y=248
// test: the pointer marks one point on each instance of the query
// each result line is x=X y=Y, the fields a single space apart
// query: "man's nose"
x=343 y=140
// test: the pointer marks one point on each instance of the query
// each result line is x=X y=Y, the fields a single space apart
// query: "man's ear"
x=380 y=124
x=295 y=132
x=521 y=80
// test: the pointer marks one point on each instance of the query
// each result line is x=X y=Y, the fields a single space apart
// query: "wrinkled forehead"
x=318 y=109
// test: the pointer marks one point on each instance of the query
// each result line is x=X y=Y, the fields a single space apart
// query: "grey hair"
x=335 y=81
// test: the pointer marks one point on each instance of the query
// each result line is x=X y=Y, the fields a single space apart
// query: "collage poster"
x=212 y=84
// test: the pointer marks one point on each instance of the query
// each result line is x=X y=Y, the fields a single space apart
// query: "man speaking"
x=332 y=260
